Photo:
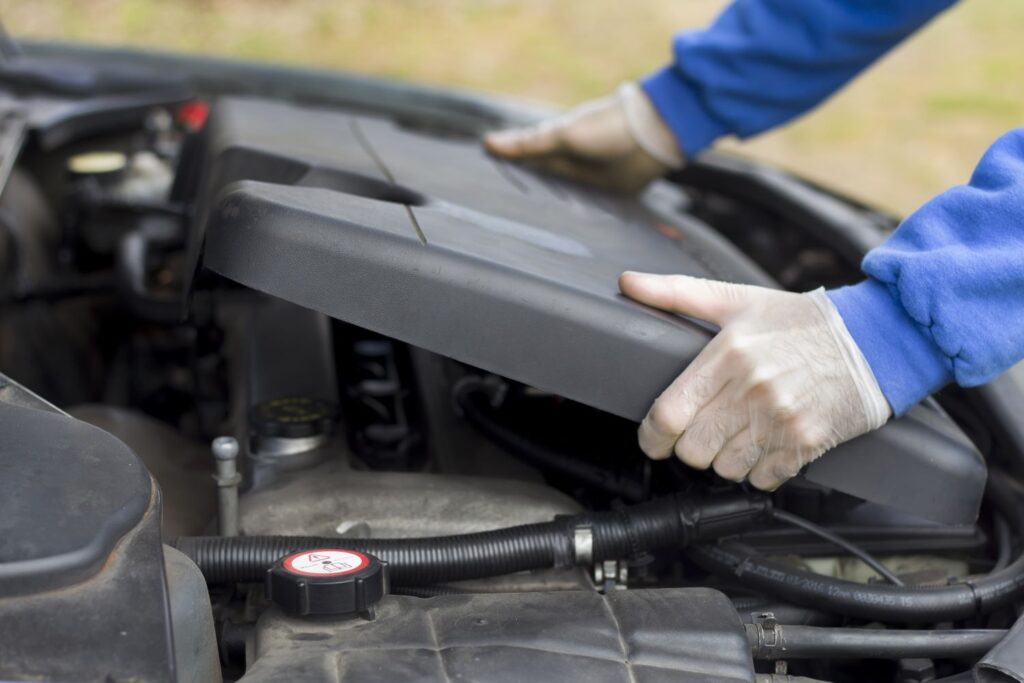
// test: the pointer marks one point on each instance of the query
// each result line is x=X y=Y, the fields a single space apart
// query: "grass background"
x=911 y=126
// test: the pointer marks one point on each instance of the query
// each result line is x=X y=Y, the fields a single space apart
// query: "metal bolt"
x=916 y=670
x=225 y=452
x=225 y=448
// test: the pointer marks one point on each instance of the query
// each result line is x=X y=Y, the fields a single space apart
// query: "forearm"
x=945 y=296
x=765 y=62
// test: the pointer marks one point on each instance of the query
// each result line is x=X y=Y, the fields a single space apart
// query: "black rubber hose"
x=668 y=522
x=814 y=642
x=750 y=609
x=902 y=604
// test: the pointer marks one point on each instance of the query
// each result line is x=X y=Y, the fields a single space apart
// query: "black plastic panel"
x=68 y=492
x=683 y=635
x=921 y=463
x=428 y=240
x=82 y=590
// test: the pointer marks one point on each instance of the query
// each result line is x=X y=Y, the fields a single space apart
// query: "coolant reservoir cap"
x=294 y=417
x=327 y=581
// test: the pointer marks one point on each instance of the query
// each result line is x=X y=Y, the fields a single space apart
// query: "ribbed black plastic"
x=424 y=561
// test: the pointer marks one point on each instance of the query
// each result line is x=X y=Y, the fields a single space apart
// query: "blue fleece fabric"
x=944 y=298
x=951 y=275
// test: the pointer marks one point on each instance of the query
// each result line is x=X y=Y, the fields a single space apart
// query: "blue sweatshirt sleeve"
x=764 y=62
x=945 y=297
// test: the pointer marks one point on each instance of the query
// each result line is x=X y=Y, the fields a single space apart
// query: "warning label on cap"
x=326 y=562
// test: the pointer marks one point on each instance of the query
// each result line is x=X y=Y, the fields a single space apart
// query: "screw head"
x=225 y=448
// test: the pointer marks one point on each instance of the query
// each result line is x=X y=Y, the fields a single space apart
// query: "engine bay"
x=243 y=333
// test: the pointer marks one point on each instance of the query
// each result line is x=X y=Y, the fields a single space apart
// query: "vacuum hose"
x=812 y=642
x=903 y=604
x=579 y=539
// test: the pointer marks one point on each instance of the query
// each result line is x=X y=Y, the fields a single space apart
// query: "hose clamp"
x=583 y=544
x=768 y=625
x=766 y=637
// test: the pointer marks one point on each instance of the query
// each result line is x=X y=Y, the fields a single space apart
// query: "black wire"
x=835 y=539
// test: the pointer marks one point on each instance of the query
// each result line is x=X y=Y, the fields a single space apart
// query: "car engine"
x=298 y=384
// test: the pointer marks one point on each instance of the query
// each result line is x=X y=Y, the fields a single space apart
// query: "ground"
x=915 y=124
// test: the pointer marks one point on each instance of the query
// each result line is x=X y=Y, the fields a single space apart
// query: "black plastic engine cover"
x=83 y=595
x=684 y=635
x=430 y=241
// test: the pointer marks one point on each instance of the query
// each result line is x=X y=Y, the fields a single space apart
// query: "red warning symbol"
x=326 y=562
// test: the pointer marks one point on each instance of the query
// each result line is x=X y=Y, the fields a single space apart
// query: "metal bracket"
x=611 y=575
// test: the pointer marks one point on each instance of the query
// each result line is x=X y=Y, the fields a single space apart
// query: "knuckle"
x=735 y=466
x=764 y=390
x=764 y=482
x=786 y=468
x=779 y=405
x=809 y=440
x=652 y=446
x=785 y=410
x=726 y=290
x=664 y=417
x=727 y=470
x=739 y=355
x=807 y=434
x=696 y=448
x=728 y=338
x=780 y=468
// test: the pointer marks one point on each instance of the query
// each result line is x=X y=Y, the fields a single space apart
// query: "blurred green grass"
x=913 y=125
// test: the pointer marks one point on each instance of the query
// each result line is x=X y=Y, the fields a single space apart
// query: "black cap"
x=294 y=417
x=327 y=581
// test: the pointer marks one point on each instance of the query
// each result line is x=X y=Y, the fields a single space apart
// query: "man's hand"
x=618 y=142
x=780 y=384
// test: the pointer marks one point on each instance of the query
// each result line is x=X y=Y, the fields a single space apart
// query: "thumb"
x=709 y=300
x=542 y=138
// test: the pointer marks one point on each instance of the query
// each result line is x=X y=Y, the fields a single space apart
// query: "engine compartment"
x=401 y=347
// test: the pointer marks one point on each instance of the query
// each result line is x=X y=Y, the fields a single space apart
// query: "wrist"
x=647 y=128
x=682 y=108
x=873 y=402
x=905 y=361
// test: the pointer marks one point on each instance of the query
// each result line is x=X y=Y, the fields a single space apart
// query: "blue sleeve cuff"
x=905 y=360
x=679 y=105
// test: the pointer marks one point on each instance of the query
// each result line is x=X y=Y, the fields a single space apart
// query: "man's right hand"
x=618 y=142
